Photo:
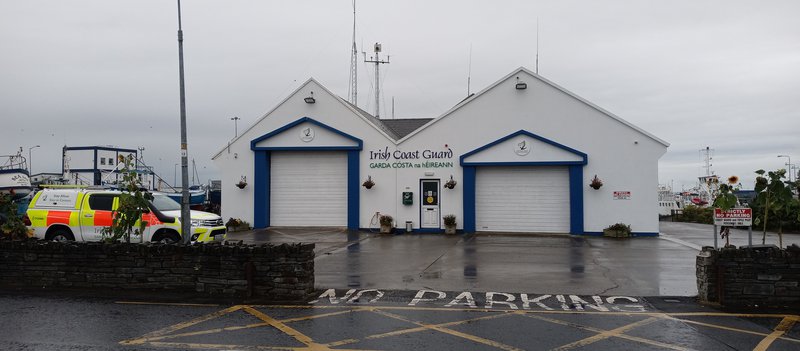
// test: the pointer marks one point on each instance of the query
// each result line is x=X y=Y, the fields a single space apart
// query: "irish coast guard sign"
x=735 y=217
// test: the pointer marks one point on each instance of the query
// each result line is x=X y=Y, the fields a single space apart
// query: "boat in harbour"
x=14 y=177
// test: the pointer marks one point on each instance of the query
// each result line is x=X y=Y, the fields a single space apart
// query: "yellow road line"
x=209 y=331
x=297 y=319
x=785 y=325
x=621 y=336
x=286 y=329
x=442 y=329
x=180 y=326
x=187 y=346
x=606 y=334
x=744 y=331
x=167 y=303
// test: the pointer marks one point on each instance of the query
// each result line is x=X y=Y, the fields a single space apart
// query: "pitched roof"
x=404 y=126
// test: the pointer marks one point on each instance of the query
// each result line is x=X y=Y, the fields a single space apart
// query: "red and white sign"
x=735 y=217
x=622 y=195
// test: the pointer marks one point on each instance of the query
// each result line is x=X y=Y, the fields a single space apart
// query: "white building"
x=522 y=153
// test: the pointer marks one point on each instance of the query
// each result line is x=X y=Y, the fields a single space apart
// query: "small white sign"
x=622 y=195
x=57 y=199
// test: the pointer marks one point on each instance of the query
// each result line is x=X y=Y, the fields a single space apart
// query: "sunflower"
x=732 y=180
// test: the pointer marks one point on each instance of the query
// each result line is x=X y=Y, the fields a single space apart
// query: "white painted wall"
x=624 y=158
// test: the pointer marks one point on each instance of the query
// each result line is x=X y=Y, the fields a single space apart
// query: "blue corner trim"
x=261 y=189
x=469 y=199
x=359 y=143
x=353 y=189
x=576 y=199
x=529 y=134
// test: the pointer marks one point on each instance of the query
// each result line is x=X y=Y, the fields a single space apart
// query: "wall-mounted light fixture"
x=521 y=85
x=310 y=99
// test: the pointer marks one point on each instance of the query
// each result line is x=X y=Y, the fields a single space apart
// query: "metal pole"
x=715 y=237
x=30 y=160
x=235 y=120
x=750 y=235
x=186 y=229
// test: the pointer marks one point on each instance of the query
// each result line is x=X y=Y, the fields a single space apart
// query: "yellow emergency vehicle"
x=81 y=214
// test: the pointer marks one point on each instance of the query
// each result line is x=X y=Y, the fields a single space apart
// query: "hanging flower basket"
x=368 y=183
x=242 y=183
x=596 y=183
x=450 y=184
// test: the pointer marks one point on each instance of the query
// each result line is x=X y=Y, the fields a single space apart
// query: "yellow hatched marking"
x=167 y=304
x=606 y=334
x=311 y=345
x=413 y=330
x=743 y=331
x=179 y=326
x=298 y=319
x=209 y=331
x=442 y=329
x=599 y=331
x=785 y=325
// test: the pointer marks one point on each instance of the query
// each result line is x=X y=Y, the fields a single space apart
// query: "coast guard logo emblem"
x=522 y=148
x=307 y=134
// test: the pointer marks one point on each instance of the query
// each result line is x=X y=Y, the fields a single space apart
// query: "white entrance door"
x=429 y=203
x=522 y=199
x=308 y=189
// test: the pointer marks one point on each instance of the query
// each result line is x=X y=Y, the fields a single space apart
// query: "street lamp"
x=789 y=163
x=30 y=159
x=235 y=120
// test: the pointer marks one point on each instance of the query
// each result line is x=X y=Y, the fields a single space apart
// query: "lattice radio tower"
x=352 y=89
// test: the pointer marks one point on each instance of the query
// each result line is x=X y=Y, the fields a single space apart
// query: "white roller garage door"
x=522 y=199
x=308 y=189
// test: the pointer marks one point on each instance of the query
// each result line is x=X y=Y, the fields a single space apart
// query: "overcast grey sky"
x=724 y=74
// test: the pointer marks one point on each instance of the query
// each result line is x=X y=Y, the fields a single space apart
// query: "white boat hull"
x=15 y=182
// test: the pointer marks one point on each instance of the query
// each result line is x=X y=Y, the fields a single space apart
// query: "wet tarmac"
x=545 y=264
x=393 y=323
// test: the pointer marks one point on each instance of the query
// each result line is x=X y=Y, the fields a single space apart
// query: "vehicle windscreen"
x=164 y=203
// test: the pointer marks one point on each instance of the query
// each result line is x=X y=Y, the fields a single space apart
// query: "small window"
x=101 y=202
x=110 y=161
x=103 y=161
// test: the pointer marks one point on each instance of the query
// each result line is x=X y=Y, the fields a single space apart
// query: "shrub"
x=696 y=214
x=386 y=220
x=450 y=220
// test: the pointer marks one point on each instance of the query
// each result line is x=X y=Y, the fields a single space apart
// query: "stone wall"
x=763 y=276
x=272 y=273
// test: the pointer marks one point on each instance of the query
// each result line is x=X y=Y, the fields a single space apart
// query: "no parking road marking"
x=489 y=300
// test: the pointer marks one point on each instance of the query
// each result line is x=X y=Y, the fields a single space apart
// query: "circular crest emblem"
x=307 y=134
x=522 y=148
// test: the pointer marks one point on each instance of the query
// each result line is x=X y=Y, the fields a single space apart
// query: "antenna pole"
x=469 y=70
x=186 y=228
x=537 y=45
x=352 y=93
x=377 y=61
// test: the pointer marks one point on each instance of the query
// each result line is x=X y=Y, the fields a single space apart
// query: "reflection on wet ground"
x=556 y=264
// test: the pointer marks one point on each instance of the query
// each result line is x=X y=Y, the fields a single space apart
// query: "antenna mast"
x=377 y=61
x=352 y=89
x=707 y=153
x=537 y=45
x=469 y=70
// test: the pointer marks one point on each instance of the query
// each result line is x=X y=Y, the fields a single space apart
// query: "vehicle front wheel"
x=61 y=235
x=170 y=238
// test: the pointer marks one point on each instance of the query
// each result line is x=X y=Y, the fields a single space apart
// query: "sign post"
x=734 y=217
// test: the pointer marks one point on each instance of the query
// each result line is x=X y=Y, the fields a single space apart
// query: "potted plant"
x=242 y=183
x=617 y=230
x=368 y=183
x=236 y=225
x=596 y=183
x=449 y=224
x=386 y=224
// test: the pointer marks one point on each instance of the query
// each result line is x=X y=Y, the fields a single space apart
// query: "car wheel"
x=62 y=235
x=170 y=238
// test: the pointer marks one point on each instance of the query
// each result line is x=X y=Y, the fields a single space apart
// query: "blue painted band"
x=469 y=199
x=14 y=170
x=633 y=234
x=353 y=189
x=261 y=185
x=305 y=148
x=536 y=163
x=359 y=142
x=576 y=199
x=525 y=133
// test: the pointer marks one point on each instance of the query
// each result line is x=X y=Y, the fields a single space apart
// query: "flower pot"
x=450 y=229
x=386 y=229
x=616 y=233
x=241 y=185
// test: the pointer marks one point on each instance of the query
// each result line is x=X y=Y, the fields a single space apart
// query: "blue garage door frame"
x=575 y=180
x=261 y=183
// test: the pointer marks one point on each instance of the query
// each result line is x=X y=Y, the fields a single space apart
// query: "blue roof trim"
x=359 y=142
x=529 y=134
